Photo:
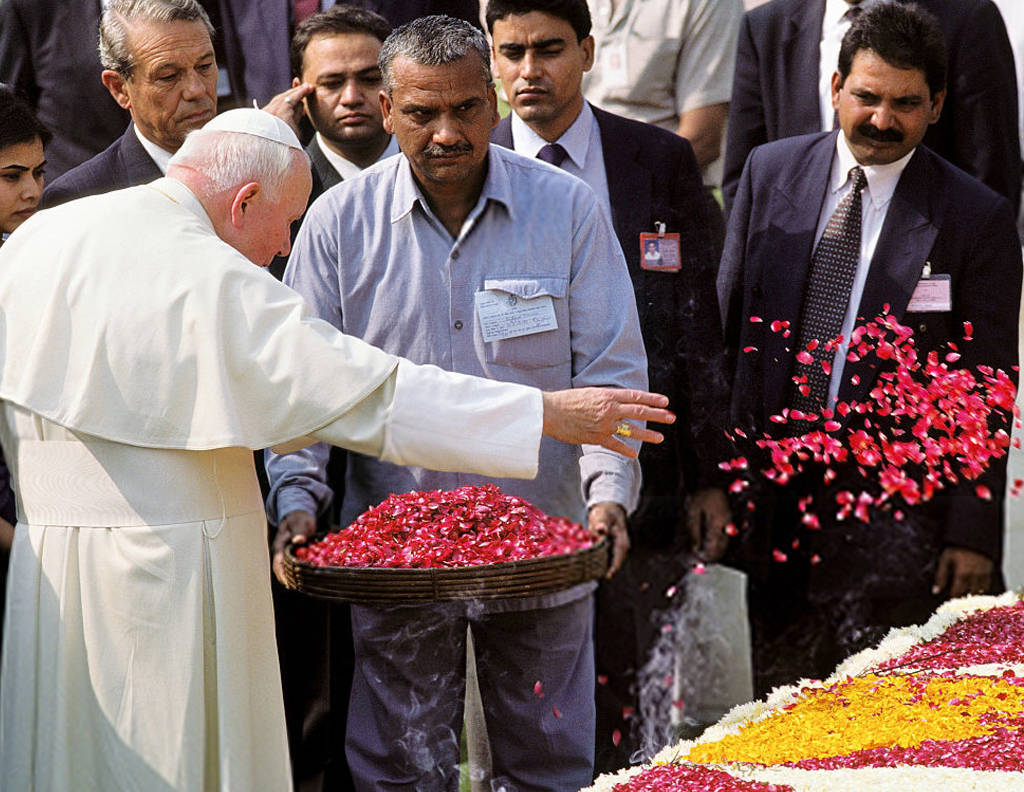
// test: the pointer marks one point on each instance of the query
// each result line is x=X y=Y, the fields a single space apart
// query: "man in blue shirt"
x=478 y=260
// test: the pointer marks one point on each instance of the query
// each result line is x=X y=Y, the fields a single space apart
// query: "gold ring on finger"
x=623 y=429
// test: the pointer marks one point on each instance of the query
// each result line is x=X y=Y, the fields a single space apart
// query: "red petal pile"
x=680 y=778
x=468 y=526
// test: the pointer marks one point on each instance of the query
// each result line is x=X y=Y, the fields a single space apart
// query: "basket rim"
x=429 y=572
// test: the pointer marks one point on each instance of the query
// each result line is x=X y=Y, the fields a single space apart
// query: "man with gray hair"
x=137 y=371
x=518 y=277
x=159 y=65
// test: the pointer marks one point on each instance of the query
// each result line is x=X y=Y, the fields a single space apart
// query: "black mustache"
x=436 y=150
x=881 y=135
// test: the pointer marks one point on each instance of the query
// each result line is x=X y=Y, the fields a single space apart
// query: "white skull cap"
x=260 y=123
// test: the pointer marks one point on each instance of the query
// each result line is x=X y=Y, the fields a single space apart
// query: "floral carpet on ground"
x=934 y=707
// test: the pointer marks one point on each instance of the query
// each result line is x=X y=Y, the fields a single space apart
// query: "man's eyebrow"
x=542 y=44
x=15 y=167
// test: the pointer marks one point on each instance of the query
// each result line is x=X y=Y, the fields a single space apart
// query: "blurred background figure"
x=22 y=138
x=48 y=54
x=669 y=63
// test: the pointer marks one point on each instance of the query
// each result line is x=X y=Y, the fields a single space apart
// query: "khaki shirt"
x=656 y=59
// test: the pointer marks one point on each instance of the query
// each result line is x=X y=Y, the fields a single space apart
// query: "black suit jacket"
x=48 y=53
x=938 y=214
x=124 y=163
x=775 y=88
x=653 y=177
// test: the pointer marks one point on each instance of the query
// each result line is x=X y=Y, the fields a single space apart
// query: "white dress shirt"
x=882 y=181
x=581 y=141
x=345 y=168
x=833 y=28
x=160 y=156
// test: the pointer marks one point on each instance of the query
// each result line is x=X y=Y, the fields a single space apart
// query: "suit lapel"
x=325 y=172
x=629 y=180
x=139 y=167
x=502 y=134
x=908 y=235
x=795 y=208
x=800 y=66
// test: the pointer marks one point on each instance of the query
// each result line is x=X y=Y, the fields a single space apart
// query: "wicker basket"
x=383 y=586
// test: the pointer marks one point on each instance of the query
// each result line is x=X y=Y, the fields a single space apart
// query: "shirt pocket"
x=536 y=350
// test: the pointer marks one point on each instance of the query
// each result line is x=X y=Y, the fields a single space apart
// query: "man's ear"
x=118 y=87
x=245 y=197
x=385 y=111
x=587 y=45
x=837 y=86
x=938 y=98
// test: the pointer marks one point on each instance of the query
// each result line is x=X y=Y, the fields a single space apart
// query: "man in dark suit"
x=850 y=224
x=780 y=87
x=648 y=179
x=159 y=64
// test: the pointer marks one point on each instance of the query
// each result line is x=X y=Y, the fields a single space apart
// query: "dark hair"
x=904 y=36
x=434 y=41
x=335 y=21
x=575 y=12
x=18 y=124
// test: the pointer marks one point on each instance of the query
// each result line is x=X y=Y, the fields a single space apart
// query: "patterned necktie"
x=829 y=282
x=553 y=153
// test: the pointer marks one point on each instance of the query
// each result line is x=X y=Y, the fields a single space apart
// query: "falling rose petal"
x=778 y=325
x=616 y=738
x=731 y=529
x=556 y=712
x=779 y=557
x=968 y=331
x=855 y=379
x=602 y=679
x=815 y=559
x=805 y=357
x=756 y=319
x=832 y=426
x=628 y=712
x=952 y=357
x=749 y=349
x=826 y=366
x=983 y=492
x=538 y=689
x=699 y=568
x=670 y=592
x=812 y=345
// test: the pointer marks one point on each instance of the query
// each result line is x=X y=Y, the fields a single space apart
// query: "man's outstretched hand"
x=591 y=415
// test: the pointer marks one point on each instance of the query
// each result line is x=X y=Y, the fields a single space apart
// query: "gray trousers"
x=406 y=707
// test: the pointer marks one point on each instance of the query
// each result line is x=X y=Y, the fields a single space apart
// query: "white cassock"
x=142 y=358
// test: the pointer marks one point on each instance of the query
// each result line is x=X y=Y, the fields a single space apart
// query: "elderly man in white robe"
x=142 y=356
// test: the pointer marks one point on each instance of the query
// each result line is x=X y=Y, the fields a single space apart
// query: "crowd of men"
x=869 y=157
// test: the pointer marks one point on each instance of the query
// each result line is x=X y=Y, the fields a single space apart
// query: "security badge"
x=932 y=294
x=660 y=252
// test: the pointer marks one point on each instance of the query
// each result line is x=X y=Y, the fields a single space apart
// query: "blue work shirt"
x=375 y=261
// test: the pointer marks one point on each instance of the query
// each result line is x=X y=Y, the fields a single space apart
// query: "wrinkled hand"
x=590 y=415
x=707 y=515
x=296 y=527
x=609 y=519
x=963 y=572
x=288 y=105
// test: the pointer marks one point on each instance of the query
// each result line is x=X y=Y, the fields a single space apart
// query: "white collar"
x=836 y=9
x=882 y=179
x=346 y=168
x=179 y=193
x=160 y=156
x=575 y=140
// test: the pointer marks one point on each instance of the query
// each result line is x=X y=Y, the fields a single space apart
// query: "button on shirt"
x=397 y=279
x=875 y=200
x=581 y=141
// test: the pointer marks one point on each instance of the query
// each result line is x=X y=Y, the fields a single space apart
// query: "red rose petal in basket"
x=680 y=778
x=467 y=526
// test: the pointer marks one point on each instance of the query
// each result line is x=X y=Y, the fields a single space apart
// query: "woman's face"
x=21 y=183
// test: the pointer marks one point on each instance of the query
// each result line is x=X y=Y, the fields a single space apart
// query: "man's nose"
x=529 y=67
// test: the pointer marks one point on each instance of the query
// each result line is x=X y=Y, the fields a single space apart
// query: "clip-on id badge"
x=660 y=252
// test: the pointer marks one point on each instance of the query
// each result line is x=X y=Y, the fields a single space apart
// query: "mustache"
x=437 y=150
x=881 y=135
